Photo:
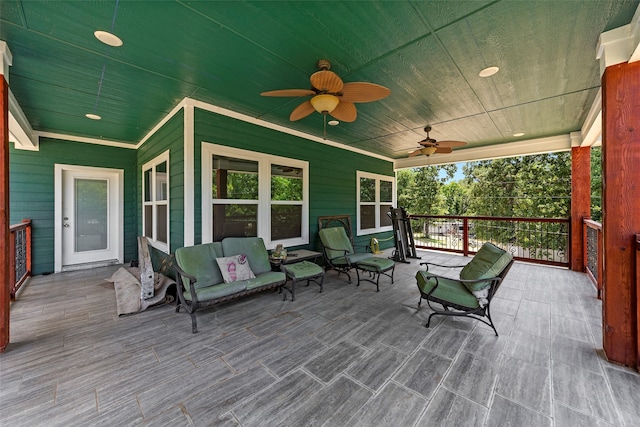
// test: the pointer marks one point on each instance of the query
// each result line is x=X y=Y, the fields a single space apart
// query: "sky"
x=458 y=176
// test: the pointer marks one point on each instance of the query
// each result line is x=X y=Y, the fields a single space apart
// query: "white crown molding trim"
x=263 y=123
x=74 y=138
x=162 y=122
x=496 y=151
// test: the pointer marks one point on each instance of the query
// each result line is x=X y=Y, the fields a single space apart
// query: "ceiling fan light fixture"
x=324 y=103
x=108 y=38
x=489 y=71
x=427 y=151
x=333 y=123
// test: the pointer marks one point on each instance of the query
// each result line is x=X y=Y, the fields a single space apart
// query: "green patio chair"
x=469 y=295
x=338 y=252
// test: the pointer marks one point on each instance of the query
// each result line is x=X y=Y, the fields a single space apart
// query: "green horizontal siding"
x=31 y=187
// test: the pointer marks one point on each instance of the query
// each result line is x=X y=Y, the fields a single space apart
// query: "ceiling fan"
x=429 y=146
x=331 y=95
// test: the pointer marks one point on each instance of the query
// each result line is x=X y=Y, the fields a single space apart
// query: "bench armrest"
x=180 y=274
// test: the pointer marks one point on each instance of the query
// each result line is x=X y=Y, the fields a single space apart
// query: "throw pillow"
x=234 y=268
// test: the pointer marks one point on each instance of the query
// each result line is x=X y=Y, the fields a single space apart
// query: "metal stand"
x=405 y=245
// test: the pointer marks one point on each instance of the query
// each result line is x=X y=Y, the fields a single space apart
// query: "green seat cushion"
x=200 y=261
x=487 y=263
x=217 y=291
x=265 y=279
x=376 y=264
x=448 y=290
x=253 y=248
x=302 y=270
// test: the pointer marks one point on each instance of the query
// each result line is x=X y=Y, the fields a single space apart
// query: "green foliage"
x=596 y=184
x=419 y=189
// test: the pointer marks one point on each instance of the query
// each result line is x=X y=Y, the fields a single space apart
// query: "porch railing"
x=592 y=250
x=539 y=240
x=19 y=255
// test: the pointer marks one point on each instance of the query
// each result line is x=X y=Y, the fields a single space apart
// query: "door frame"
x=119 y=235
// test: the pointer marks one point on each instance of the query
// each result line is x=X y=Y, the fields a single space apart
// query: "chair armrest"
x=180 y=273
x=427 y=264
x=493 y=282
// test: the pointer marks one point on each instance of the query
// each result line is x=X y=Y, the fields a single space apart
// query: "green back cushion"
x=253 y=248
x=335 y=238
x=488 y=262
x=200 y=261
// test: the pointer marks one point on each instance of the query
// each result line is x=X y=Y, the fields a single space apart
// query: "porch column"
x=580 y=201
x=4 y=215
x=620 y=209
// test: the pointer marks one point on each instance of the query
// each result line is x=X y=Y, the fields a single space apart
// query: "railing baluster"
x=541 y=240
x=20 y=255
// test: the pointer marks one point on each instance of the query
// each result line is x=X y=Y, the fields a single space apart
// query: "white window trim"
x=377 y=203
x=164 y=157
x=264 y=192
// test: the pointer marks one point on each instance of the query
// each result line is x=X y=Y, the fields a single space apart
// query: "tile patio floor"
x=346 y=357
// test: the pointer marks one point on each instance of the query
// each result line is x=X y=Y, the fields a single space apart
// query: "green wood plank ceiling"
x=429 y=53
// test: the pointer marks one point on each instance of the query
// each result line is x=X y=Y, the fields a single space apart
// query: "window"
x=254 y=194
x=376 y=195
x=155 y=201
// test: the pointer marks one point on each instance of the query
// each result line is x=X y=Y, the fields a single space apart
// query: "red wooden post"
x=4 y=214
x=620 y=209
x=465 y=236
x=638 y=299
x=580 y=202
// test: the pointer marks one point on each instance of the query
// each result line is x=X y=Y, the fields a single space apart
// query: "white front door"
x=88 y=216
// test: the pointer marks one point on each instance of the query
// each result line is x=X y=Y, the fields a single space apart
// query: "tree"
x=419 y=189
x=596 y=184
x=456 y=198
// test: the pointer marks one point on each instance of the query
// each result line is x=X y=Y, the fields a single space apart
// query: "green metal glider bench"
x=470 y=295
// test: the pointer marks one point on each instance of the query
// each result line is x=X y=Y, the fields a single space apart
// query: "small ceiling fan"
x=331 y=95
x=429 y=146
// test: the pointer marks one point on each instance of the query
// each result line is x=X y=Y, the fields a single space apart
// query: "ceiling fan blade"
x=416 y=153
x=326 y=81
x=363 y=92
x=451 y=143
x=345 y=112
x=444 y=150
x=289 y=92
x=301 y=111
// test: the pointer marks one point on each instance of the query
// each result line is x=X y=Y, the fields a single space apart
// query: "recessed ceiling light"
x=333 y=123
x=108 y=38
x=519 y=134
x=489 y=71
x=93 y=116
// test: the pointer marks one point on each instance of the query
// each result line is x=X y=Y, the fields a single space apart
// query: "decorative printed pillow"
x=235 y=268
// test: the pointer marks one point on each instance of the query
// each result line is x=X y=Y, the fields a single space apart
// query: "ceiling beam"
x=619 y=45
x=488 y=152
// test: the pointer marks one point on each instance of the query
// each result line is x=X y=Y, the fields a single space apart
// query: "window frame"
x=152 y=164
x=264 y=201
x=377 y=203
